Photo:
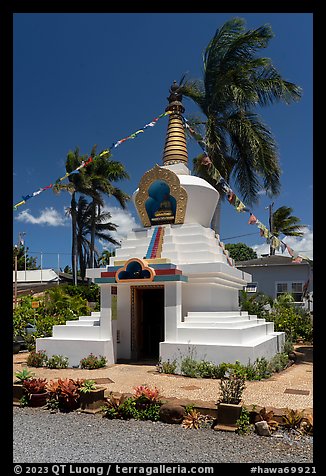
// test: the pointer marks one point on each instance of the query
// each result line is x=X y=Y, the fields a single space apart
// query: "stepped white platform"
x=201 y=315
x=182 y=244
x=77 y=339
x=223 y=337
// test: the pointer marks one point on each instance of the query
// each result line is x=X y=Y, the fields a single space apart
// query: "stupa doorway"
x=147 y=321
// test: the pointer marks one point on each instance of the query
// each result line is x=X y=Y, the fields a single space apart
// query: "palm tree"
x=77 y=184
x=103 y=227
x=235 y=81
x=23 y=260
x=104 y=259
x=102 y=172
x=285 y=223
x=93 y=180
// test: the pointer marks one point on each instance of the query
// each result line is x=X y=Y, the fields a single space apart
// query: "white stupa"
x=171 y=290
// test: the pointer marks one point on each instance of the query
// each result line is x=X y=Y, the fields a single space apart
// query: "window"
x=295 y=288
x=281 y=288
x=251 y=288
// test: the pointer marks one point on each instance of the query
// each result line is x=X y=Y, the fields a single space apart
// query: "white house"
x=274 y=275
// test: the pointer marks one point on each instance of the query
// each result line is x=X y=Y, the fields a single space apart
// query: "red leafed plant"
x=144 y=394
x=65 y=392
x=53 y=387
x=68 y=393
x=35 y=385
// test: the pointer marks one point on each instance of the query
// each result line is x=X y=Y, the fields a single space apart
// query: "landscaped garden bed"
x=66 y=395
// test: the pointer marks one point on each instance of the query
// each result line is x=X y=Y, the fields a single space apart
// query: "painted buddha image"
x=160 y=205
x=165 y=209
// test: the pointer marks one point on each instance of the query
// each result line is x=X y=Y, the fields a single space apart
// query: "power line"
x=49 y=253
x=238 y=236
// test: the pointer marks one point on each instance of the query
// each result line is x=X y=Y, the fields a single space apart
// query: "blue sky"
x=94 y=78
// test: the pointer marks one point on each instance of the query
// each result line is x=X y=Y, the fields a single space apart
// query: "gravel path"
x=42 y=437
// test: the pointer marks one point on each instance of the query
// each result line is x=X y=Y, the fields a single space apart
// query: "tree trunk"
x=74 y=238
x=91 y=256
x=82 y=266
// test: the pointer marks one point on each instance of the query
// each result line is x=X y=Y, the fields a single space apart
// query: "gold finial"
x=175 y=149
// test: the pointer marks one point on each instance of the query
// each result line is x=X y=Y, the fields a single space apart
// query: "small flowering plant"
x=92 y=362
x=144 y=394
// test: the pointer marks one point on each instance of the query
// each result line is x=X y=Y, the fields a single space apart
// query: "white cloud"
x=302 y=245
x=48 y=216
x=125 y=221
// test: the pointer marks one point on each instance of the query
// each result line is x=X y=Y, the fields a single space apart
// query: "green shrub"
x=132 y=408
x=262 y=368
x=55 y=308
x=143 y=405
x=89 y=292
x=279 y=362
x=237 y=369
x=222 y=369
x=189 y=367
x=166 y=367
x=37 y=359
x=296 y=323
x=256 y=304
x=207 y=369
x=58 y=302
x=92 y=362
x=243 y=423
x=57 y=362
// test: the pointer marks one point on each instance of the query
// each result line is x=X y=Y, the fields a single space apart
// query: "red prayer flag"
x=252 y=219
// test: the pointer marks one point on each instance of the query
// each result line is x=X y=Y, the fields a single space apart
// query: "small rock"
x=171 y=413
x=262 y=428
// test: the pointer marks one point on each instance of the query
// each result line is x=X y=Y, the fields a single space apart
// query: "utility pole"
x=21 y=235
x=16 y=266
x=270 y=208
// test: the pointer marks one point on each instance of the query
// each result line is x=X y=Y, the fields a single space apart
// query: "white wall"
x=209 y=297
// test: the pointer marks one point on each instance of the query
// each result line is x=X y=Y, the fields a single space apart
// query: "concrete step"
x=185 y=247
x=189 y=229
x=194 y=256
x=88 y=318
x=222 y=335
x=84 y=322
x=195 y=238
x=227 y=324
x=76 y=332
x=218 y=314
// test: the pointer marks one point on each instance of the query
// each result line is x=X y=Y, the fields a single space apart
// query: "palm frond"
x=254 y=149
x=284 y=222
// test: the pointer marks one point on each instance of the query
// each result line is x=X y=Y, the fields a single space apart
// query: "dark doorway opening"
x=149 y=322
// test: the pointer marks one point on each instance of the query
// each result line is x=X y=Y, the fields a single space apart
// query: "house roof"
x=276 y=260
x=35 y=276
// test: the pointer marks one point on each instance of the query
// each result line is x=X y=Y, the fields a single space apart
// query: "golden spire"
x=175 y=149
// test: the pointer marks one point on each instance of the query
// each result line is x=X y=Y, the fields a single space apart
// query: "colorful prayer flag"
x=231 y=198
x=252 y=219
x=298 y=259
x=240 y=207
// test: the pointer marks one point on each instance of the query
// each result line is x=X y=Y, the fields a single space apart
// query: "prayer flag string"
x=234 y=200
x=91 y=159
